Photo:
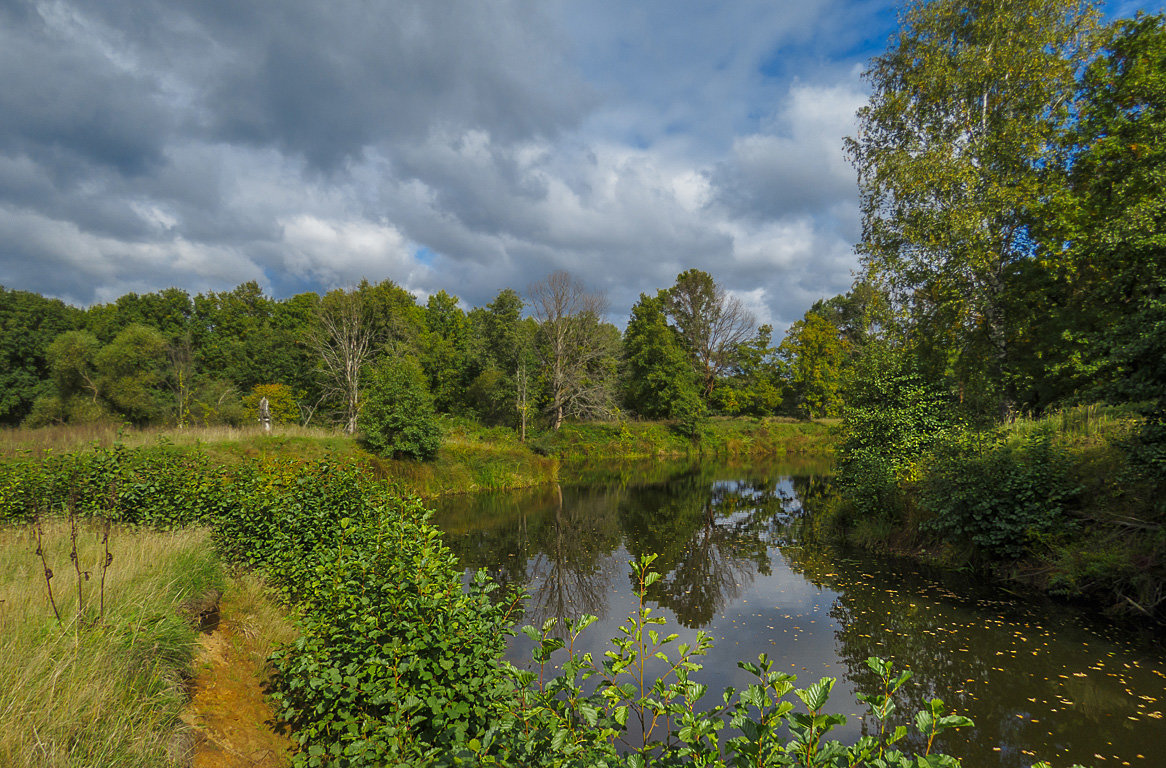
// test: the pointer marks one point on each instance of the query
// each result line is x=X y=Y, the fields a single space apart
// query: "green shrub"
x=397 y=418
x=999 y=497
x=281 y=403
x=893 y=419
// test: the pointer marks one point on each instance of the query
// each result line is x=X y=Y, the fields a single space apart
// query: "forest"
x=170 y=358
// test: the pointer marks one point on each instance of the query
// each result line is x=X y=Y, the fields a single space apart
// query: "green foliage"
x=815 y=352
x=1116 y=265
x=1000 y=496
x=445 y=358
x=710 y=324
x=397 y=418
x=281 y=403
x=893 y=418
x=953 y=162
x=659 y=380
x=28 y=325
x=131 y=374
x=753 y=384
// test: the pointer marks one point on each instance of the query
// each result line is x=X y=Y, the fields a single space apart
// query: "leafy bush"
x=281 y=403
x=999 y=497
x=397 y=418
x=893 y=419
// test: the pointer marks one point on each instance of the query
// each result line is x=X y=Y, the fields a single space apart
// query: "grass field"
x=98 y=688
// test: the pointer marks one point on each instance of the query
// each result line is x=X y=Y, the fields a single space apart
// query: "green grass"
x=720 y=437
x=248 y=440
x=88 y=693
x=472 y=457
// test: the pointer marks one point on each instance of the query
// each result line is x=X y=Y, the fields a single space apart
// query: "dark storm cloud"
x=328 y=79
x=146 y=144
x=64 y=106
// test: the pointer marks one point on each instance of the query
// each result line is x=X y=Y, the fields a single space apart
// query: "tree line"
x=520 y=361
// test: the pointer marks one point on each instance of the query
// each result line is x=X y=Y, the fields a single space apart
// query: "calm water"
x=1040 y=680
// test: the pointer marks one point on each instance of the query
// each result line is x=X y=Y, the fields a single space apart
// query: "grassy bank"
x=472 y=457
x=1058 y=503
x=98 y=688
x=728 y=438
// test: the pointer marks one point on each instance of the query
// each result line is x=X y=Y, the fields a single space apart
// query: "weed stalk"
x=48 y=572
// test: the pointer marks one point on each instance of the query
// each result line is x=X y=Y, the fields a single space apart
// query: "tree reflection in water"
x=565 y=576
x=564 y=543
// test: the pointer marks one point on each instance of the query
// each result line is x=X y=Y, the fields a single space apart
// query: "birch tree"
x=951 y=156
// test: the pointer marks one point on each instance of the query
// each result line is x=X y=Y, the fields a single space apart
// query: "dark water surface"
x=1041 y=681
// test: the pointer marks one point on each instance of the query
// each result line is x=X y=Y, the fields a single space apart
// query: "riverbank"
x=719 y=437
x=142 y=684
x=1058 y=504
x=472 y=457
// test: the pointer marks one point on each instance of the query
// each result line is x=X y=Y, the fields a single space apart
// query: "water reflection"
x=739 y=561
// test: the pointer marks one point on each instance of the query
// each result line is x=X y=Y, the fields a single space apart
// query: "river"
x=1041 y=680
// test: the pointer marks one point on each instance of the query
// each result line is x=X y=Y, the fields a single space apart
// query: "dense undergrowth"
x=1060 y=502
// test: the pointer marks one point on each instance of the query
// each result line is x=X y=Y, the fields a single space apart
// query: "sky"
x=460 y=145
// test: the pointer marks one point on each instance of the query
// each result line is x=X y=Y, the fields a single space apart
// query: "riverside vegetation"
x=1069 y=503
x=396 y=662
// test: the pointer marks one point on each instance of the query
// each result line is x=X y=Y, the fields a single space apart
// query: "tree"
x=577 y=351
x=131 y=373
x=446 y=352
x=1116 y=260
x=659 y=381
x=752 y=385
x=710 y=321
x=815 y=353
x=231 y=332
x=343 y=339
x=28 y=325
x=398 y=419
x=72 y=360
x=951 y=157
x=501 y=354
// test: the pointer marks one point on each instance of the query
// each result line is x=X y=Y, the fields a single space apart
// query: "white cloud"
x=337 y=253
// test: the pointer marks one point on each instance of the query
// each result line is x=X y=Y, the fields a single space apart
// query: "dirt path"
x=231 y=720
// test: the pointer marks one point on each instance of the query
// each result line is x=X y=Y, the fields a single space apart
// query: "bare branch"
x=343 y=338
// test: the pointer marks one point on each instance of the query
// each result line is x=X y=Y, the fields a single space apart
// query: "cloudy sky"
x=464 y=145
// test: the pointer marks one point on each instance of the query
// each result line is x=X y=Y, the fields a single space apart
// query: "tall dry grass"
x=72 y=437
x=89 y=693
